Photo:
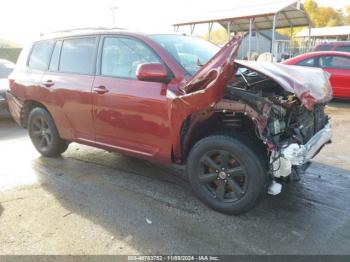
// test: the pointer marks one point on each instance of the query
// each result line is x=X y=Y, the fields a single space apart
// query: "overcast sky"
x=22 y=20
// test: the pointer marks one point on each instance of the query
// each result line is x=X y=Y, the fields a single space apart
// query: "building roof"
x=290 y=13
x=325 y=31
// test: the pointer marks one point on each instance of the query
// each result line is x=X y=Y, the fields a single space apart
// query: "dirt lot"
x=94 y=202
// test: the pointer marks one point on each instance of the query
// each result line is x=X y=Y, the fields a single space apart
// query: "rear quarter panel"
x=27 y=87
x=15 y=107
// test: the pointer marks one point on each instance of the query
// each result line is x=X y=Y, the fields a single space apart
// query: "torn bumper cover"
x=297 y=155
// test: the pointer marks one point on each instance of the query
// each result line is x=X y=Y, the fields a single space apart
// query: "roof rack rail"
x=81 y=29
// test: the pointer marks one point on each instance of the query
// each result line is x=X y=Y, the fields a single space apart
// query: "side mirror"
x=154 y=72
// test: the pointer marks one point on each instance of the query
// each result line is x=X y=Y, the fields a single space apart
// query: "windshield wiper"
x=199 y=63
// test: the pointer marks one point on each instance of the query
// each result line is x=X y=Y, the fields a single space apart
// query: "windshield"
x=190 y=52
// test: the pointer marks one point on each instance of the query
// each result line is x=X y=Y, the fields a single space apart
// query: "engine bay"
x=281 y=119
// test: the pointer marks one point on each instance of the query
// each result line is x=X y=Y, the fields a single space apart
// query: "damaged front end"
x=289 y=103
x=280 y=107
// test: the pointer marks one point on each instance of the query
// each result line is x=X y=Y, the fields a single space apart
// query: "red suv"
x=237 y=126
x=334 y=46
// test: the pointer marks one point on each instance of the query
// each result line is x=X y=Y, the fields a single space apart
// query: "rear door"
x=28 y=73
x=69 y=82
x=31 y=73
x=130 y=116
x=339 y=68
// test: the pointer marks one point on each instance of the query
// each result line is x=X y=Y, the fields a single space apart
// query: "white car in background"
x=6 y=68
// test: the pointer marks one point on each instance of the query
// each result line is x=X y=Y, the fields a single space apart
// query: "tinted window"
x=307 y=62
x=340 y=62
x=121 y=56
x=344 y=48
x=55 y=56
x=324 y=48
x=40 y=55
x=77 y=55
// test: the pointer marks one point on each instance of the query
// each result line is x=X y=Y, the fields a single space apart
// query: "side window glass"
x=55 y=57
x=339 y=62
x=77 y=55
x=121 y=56
x=307 y=62
x=325 y=61
x=40 y=55
x=344 y=48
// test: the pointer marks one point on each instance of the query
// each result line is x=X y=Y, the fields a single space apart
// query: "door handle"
x=48 y=83
x=100 y=90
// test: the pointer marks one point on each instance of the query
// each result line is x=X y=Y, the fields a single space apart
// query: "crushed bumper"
x=297 y=155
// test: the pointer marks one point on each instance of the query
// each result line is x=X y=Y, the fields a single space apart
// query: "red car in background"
x=335 y=63
x=340 y=46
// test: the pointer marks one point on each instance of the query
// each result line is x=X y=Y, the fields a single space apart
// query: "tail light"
x=11 y=83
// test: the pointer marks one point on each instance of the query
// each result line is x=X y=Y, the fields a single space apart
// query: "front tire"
x=226 y=174
x=44 y=135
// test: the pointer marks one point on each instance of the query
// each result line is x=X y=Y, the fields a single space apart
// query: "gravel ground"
x=90 y=201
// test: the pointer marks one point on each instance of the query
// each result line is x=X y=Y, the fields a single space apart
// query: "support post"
x=228 y=31
x=210 y=28
x=250 y=38
x=309 y=40
x=257 y=38
x=114 y=10
x=291 y=42
x=273 y=40
x=314 y=42
x=192 y=28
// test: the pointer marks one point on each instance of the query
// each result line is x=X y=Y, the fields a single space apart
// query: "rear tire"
x=44 y=135
x=226 y=174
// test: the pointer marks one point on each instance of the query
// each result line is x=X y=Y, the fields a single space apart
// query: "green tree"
x=311 y=8
x=218 y=36
x=323 y=16
x=347 y=18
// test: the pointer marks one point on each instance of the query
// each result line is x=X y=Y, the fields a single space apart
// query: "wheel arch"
x=28 y=106
x=208 y=123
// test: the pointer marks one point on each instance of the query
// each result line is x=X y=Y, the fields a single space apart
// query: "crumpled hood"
x=310 y=85
x=214 y=75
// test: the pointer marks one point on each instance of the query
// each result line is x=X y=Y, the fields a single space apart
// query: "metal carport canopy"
x=290 y=13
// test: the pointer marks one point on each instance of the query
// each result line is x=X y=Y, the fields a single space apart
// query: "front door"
x=339 y=68
x=130 y=116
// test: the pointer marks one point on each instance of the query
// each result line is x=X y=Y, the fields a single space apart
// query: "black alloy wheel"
x=226 y=173
x=44 y=135
x=41 y=133
x=223 y=176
